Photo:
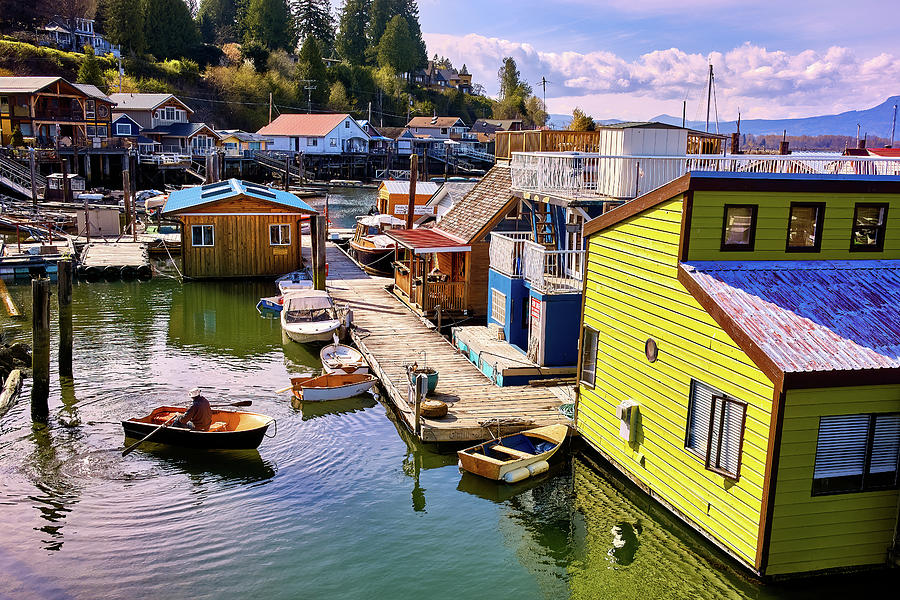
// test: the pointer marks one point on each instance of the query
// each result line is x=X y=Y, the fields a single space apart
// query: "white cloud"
x=763 y=83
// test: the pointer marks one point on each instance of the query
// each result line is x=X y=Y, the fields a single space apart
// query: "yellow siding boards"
x=823 y=532
x=772 y=224
x=632 y=294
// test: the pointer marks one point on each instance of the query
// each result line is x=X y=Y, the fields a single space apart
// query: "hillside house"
x=75 y=34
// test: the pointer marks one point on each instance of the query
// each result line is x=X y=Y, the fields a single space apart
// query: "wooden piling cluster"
x=40 y=349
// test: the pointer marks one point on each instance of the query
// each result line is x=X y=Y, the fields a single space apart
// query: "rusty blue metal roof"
x=809 y=316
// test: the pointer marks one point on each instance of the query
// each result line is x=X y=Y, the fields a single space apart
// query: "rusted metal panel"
x=812 y=315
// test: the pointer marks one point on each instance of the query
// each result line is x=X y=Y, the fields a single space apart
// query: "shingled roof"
x=484 y=204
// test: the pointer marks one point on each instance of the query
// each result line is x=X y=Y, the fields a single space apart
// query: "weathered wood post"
x=411 y=206
x=126 y=189
x=439 y=312
x=40 y=352
x=313 y=246
x=287 y=173
x=420 y=381
x=64 y=298
x=11 y=309
x=67 y=187
x=321 y=224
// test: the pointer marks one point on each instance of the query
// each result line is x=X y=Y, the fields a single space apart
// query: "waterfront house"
x=739 y=361
x=393 y=197
x=124 y=126
x=438 y=128
x=447 y=195
x=378 y=143
x=447 y=265
x=51 y=109
x=165 y=119
x=332 y=133
x=239 y=143
x=401 y=140
x=236 y=228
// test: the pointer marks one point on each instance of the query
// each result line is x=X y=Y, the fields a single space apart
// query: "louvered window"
x=857 y=453
x=715 y=429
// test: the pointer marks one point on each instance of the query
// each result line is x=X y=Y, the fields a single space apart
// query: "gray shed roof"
x=142 y=101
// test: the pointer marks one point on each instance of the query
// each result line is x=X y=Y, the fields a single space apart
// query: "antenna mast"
x=893 y=126
x=709 y=95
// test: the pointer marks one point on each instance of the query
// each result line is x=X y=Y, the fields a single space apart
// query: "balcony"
x=547 y=271
x=428 y=292
x=575 y=175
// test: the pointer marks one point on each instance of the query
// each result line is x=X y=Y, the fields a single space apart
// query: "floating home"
x=236 y=228
x=739 y=361
x=393 y=197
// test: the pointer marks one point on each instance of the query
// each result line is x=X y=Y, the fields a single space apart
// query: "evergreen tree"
x=269 y=23
x=396 y=49
x=535 y=111
x=311 y=72
x=351 y=35
x=313 y=19
x=169 y=28
x=410 y=11
x=18 y=15
x=217 y=20
x=513 y=91
x=123 y=24
x=89 y=71
x=581 y=121
x=17 y=140
x=380 y=12
x=339 y=100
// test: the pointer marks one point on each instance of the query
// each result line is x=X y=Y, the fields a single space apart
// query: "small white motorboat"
x=293 y=281
x=309 y=316
x=331 y=386
x=341 y=359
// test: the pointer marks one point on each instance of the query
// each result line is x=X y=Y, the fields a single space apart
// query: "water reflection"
x=203 y=466
x=57 y=493
x=499 y=491
x=314 y=410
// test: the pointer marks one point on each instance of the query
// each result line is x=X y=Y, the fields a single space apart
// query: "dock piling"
x=33 y=173
x=411 y=207
x=64 y=298
x=318 y=227
x=40 y=352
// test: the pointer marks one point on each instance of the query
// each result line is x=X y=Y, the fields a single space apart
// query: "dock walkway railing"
x=516 y=255
x=588 y=175
x=507 y=250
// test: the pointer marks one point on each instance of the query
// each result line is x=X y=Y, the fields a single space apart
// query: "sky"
x=636 y=59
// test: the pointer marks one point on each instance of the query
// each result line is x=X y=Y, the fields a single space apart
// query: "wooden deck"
x=390 y=336
x=115 y=254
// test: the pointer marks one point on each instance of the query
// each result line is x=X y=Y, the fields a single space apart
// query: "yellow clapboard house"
x=740 y=361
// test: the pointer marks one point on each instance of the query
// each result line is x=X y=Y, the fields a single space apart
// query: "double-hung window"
x=857 y=453
x=202 y=235
x=123 y=129
x=589 y=340
x=869 y=223
x=280 y=235
x=715 y=429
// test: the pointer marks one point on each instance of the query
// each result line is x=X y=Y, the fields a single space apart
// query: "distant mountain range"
x=874 y=121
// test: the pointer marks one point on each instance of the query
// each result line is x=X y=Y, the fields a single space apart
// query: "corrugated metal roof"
x=92 y=91
x=196 y=196
x=25 y=84
x=426 y=241
x=304 y=124
x=401 y=186
x=435 y=122
x=813 y=315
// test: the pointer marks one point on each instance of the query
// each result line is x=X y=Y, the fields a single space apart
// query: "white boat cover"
x=307 y=300
x=380 y=220
x=381 y=241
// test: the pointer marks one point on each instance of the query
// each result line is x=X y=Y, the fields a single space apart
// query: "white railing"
x=506 y=252
x=575 y=174
x=554 y=271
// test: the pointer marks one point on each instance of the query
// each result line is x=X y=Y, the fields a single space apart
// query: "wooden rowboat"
x=514 y=457
x=331 y=386
x=230 y=429
x=341 y=359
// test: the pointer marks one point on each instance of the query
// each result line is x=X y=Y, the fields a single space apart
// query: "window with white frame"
x=123 y=128
x=498 y=306
x=715 y=429
x=312 y=142
x=171 y=115
x=574 y=260
x=90 y=130
x=202 y=235
x=280 y=235
x=590 y=338
x=89 y=109
x=857 y=453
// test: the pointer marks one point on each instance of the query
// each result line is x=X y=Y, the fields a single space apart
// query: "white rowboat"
x=331 y=387
x=341 y=359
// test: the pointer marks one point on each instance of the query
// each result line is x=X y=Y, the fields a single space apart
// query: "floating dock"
x=390 y=336
x=115 y=260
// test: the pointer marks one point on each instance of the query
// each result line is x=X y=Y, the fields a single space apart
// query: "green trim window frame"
x=590 y=339
x=869 y=227
x=739 y=227
x=715 y=429
x=857 y=453
x=202 y=236
x=280 y=234
x=804 y=229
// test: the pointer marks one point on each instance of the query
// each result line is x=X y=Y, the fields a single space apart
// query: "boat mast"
x=709 y=95
x=893 y=126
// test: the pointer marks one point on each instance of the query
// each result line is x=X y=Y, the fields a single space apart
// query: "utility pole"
x=309 y=88
x=270 y=107
x=894 y=126
x=544 y=83
x=370 y=114
x=709 y=95
x=683 y=113
x=121 y=71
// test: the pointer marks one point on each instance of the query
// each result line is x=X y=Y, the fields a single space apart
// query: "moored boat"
x=331 y=386
x=271 y=304
x=370 y=247
x=341 y=359
x=230 y=429
x=514 y=457
x=293 y=281
x=309 y=316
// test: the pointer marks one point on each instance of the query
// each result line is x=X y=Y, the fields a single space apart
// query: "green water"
x=340 y=504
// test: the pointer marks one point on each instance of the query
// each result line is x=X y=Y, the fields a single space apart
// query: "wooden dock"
x=390 y=336
x=112 y=260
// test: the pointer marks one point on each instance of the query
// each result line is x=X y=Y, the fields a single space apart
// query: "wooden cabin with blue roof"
x=740 y=361
x=236 y=228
